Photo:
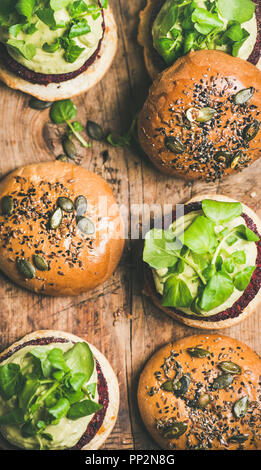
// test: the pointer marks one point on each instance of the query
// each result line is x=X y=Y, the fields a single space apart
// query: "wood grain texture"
x=115 y=317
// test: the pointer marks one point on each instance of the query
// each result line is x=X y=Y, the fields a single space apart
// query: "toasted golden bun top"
x=209 y=415
x=75 y=256
x=181 y=142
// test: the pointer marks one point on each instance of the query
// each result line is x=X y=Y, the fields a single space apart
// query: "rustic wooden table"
x=116 y=318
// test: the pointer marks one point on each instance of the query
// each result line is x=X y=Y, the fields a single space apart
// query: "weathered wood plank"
x=115 y=317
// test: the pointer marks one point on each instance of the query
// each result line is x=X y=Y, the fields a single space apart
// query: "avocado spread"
x=205 y=260
x=185 y=25
x=46 y=410
x=52 y=37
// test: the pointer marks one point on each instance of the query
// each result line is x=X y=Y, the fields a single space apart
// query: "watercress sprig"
x=52 y=386
x=65 y=111
x=204 y=247
x=185 y=25
x=18 y=16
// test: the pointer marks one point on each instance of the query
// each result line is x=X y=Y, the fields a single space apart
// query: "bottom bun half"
x=112 y=384
x=78 y=85
x=150 y=291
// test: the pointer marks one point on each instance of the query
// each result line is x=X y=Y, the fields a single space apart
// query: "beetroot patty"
x=45 y=79
x=97 y=420
x=247 y=296
x=255 y=55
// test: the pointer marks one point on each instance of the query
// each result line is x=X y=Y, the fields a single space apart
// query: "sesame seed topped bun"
x=201 y=119
x=202 y=392
x=60 y=228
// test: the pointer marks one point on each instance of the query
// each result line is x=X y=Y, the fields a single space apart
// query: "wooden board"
x=115 y=317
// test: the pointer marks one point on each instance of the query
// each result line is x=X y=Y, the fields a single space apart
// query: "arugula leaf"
x=159 y=250
x=176 y=293
x=219 y=288
x=10 y=378
x=83 y=408
x=243 y=278
x=60 y=409
x=220 y=212
x=242 y=231
x=80 y=360
x=14 y=417
x=236 y=10
x=26 y=8
x=78 y=28
x=28 y=51
x=200 y=236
